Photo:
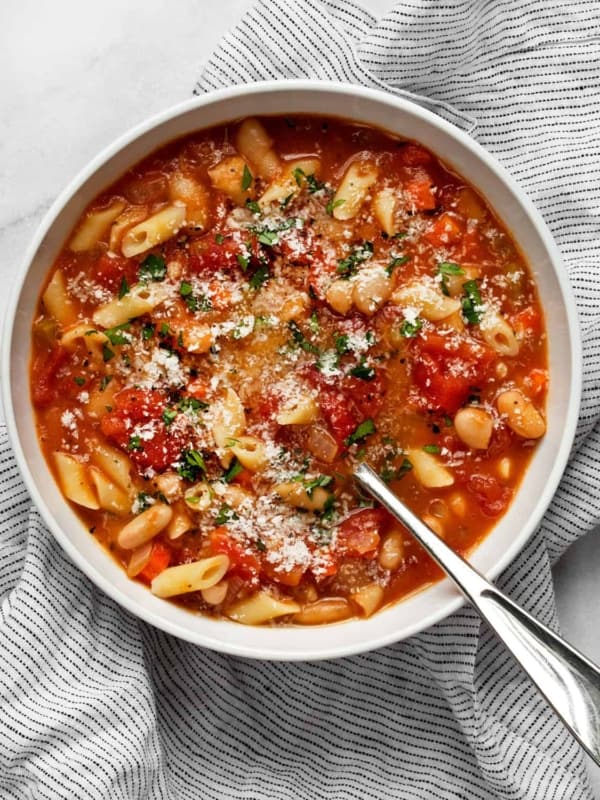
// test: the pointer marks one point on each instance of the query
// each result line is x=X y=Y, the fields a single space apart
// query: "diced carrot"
x=419 y=189
x=159 y=560
x=527 y=321
x=197 y=388
x=444 y=230
x=536 y=382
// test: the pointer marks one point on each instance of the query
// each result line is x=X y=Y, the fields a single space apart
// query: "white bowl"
x=458 y=151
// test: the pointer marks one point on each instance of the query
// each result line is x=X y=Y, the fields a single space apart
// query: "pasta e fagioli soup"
x=249 y=313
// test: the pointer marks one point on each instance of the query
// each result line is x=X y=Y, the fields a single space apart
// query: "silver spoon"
x=566 y=678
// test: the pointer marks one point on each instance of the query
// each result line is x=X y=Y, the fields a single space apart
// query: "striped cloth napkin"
x=95 y=704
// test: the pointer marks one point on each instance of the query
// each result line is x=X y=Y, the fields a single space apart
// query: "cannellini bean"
x=428 y=470
x=145 y=526
x=372 y=288
x=138 y=559
x=353 y=190
x=521 y=415
x=474 y=426
x=294 y=494
x=434 y=523
x=339 y=296
x=458 y=504
x=391 y=550
x=384 y=206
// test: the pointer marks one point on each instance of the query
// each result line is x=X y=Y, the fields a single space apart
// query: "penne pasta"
x=192 y=577
x=260 y=608
x=255 y=144
x=354 y=188
x=142 y=299
x=57 y=301
x=154 y=230
x=110 y=496
x=94 y=227
x=75 y=481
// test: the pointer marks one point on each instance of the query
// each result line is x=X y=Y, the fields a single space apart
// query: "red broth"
x=244 y=317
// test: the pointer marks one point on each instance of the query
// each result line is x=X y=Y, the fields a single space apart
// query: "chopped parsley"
x=396 y=261
x=253 y=206
x=448 y=268
x=301 y=340
x=225 y=515
x=435 y=449
x=79 y=381
x=472 y=304
x=246 y=178
x=362 y=371
x=366 y=428
x=349 y=265
x=310 y=484
x=314 y=322
x=191 y=404
x=234 y=470
x=312 y=184
x=243 y=261
x=259 y=277
x=168 y=416
x=260 y=545
x=186 y=292
x=164 y=330
x=148 y=331
x=332 y=205
x=219 y=238
x=105 y=381
x=390 y=474
x=123 y=288
x=135 y=443
x=107 y=353
x=191 y=465
x=153 y=268
x=341 y=343
x=409 y=329
x=142 y=501
x=116 y=336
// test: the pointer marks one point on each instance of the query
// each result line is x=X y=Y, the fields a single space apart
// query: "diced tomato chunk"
x=197 y=388
x=413 y=155
x=241 y=563
x=45 y=383
x=527 y=321
x=110 y=270
x=420 y=191
x=213 y=256
x=444 y=230
x=446 y=368
x=367 y=395
x=536 y=382
x=359 y=534
x=339 y=414
x=133 y=407
x=290 y=577
x=160 y=558
x=490 y=494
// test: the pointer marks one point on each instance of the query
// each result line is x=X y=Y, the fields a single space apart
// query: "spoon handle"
x=566 y=678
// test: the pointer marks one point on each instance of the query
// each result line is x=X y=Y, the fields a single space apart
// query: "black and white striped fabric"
x=94 y=704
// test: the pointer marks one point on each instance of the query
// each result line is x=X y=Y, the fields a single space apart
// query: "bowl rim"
x=276 y=87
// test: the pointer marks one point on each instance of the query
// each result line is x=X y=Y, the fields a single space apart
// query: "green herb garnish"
x=301 y=340
x=246 y=178
x=107 y=353
x=389 y=474
x=225 y=515
x=261 y=276
x=396 y=261
x=409 y=329
x=116 y=336
x=147 y=331
x=349 y=265
x=79 y=381
x=333 y=204
x=168 y=416
x=123 y=288
x=191 y=465
x=234 y=470
x=253 y=206
x=432 y=448
x=105 y=381
x=191 y=404
x=135 y=443
x=448 y=268
x=362 y=371
x=366 y=428
x=153 y=268
x=472 y=304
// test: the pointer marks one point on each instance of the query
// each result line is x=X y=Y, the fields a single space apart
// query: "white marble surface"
x=74 y=75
